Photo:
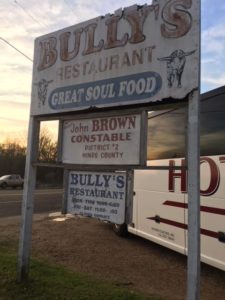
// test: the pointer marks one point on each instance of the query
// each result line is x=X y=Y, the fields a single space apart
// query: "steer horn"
x=189 y=53
x=177 y=53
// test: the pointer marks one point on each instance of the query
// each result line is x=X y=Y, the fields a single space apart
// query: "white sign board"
x=111 y=140
x=141 y=54
x=97 y=195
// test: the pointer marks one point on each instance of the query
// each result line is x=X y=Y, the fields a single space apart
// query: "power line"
x=16 y=49
x=30 y=15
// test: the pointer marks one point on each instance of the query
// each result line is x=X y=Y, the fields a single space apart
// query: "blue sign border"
x=107 y=92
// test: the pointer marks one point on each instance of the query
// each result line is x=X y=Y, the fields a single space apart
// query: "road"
x=46 y=200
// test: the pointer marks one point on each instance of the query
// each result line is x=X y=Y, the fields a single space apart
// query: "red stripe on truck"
x=208 y=209
x=183 y=226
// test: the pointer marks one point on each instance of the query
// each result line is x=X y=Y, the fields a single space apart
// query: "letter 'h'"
x=182 y=174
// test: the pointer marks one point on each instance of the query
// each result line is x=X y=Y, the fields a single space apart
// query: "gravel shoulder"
x=89 y=246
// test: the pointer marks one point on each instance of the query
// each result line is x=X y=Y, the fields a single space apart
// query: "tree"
x=47 y=147
x=12 y=158
x=47 y=153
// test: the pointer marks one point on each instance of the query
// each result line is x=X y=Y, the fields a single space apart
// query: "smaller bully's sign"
x=97 y=195
x=112 y=140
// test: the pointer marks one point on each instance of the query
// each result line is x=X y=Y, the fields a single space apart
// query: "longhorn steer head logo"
x=42 y=87
x=175 y=66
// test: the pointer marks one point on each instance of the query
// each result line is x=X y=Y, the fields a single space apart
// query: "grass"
x=52 y=283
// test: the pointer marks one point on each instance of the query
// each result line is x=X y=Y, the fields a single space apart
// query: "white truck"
x=160 y=202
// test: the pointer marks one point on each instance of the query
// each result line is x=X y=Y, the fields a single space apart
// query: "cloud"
x=213 y=49
x=213 y=41
x=13 y=129
x=11 y=67
x=14 y=112
x=218 y=81
x=20 y=105
x=14 y=121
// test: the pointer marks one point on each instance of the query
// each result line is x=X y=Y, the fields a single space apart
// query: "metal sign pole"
x=28 y=200
x=193 y=198
x=129 y=196
x=65 y=192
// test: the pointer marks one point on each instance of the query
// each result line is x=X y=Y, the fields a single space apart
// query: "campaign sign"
x=111 y=140
x=97 y=195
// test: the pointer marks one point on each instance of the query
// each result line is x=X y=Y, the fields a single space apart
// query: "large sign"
x=97 y=195
x=113 y=140
x=141 y=54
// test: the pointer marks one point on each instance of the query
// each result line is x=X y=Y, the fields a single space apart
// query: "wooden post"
x=60 y=137
x=193 y=198
x=28 y=200
x=144 y=138
x=65 y=193
x=129 y=197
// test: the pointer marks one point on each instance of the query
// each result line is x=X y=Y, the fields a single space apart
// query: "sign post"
x=136 y=57
x=194 y=222
x=193 y=282
x=28 y=200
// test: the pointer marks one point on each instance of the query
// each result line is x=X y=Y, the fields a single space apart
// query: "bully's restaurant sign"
x=136 y=55
x=96 y=195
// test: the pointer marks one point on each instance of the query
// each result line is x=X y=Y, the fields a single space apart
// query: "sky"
x=21 y=21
